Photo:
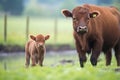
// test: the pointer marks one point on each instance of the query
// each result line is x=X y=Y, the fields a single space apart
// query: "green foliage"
x=104 y=2
x=116 y=1
x=47 y=8
x=69 y=5
x=14 y=7
x=34 y=9
x=117 y=4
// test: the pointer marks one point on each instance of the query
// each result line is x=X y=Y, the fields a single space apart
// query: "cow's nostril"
x=82 y=28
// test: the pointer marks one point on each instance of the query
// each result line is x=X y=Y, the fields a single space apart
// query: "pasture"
x=12 y=65
x=12 y=68
x=16 y=29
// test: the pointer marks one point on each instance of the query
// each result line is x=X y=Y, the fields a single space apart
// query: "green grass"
x=53 y=70
x=16 y=29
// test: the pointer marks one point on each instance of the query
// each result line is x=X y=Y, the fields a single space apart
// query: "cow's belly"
x=110 y=38
x=105 y=47
x=109 y=43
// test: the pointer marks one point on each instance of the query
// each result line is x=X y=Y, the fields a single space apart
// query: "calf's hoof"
x=26 y=65
x=33 y=65
x=41 y=65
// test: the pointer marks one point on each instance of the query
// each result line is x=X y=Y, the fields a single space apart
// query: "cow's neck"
x=82 y=39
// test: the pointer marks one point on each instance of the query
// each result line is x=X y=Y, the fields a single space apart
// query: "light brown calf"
x=35 y=49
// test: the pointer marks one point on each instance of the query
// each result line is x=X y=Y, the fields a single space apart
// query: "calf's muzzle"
x=40 y=45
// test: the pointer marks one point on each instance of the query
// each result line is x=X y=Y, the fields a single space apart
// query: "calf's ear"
x=66 y=13
x=94 y=14
x=47 y=37
x=33 y=37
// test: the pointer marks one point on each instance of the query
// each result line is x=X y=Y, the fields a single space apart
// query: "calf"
x=35 y=49
x=96 y=29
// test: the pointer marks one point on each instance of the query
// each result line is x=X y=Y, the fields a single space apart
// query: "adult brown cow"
x=96 y=29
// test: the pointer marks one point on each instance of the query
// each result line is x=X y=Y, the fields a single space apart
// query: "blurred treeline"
x=48 y=8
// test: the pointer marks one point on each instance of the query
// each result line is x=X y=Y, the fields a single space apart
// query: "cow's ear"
x=66 y=13
x=47 y=37
x=33 y=37
x=94 y=14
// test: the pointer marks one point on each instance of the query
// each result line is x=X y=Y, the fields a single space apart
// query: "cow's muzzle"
x=82 y=29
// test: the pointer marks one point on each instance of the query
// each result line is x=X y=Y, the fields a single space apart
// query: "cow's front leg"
x=82 y=59
x=108 y=55
x=96 y=52
x=80 y=43
x=81 y=55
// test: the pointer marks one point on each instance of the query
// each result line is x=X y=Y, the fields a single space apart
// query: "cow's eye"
x=88 y=18
x=74 y=19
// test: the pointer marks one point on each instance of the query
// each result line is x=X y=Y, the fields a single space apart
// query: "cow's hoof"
x=81 y=65
x=82 y=61
x=93 y=61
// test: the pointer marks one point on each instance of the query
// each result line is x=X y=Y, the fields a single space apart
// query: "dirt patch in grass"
x=117 y=70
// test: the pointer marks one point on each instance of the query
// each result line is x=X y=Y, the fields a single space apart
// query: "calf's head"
x=39 y=40
x=81 y=17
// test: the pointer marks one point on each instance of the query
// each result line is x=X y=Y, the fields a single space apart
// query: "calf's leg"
x=41 y=60
x=33 y=60
x=27 y=59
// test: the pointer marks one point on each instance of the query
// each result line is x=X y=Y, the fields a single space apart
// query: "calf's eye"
x=74 y=19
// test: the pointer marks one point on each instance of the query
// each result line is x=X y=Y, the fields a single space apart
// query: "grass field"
x=16 y=29
x=14 y=69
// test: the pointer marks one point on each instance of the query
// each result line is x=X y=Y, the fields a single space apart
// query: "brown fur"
x=35 y=49
x=101 y=32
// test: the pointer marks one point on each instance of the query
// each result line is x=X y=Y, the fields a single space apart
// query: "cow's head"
x=40 y=40
x=81 y=17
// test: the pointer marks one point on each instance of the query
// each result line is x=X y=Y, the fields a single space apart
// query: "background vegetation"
x=43 y=14
x=46 y=8
x=16 y=30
